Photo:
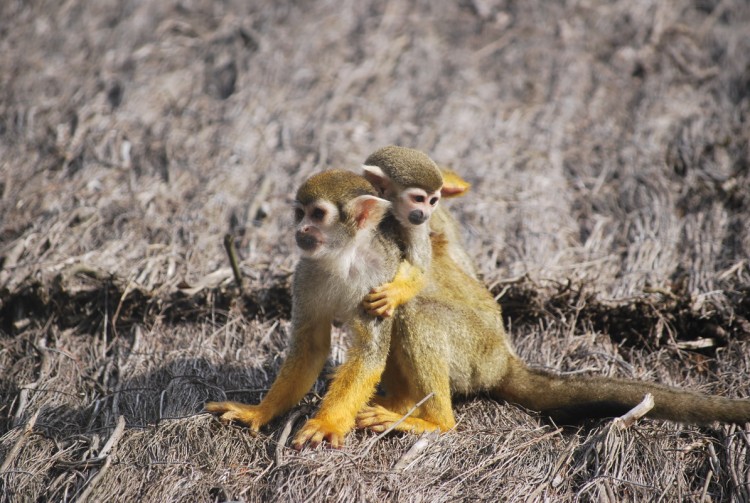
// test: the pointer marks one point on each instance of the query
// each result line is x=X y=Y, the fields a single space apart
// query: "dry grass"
x=609 y=149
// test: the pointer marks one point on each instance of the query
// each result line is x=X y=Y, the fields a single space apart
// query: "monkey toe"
x=315 y=432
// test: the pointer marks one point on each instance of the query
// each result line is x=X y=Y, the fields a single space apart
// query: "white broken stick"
x=629 y=418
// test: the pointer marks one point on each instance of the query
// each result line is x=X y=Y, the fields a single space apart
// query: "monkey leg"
x=399 y=390
x=352 y=387
x=384 y=299
x=403 y=392
x=307 y=355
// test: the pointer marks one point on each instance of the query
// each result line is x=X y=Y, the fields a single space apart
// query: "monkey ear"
x=377 y=178
x=367 y=211
x=453 y=184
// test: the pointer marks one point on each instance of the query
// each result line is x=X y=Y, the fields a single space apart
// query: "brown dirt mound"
x=608 y=145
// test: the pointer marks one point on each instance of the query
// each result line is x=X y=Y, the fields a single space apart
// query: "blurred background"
x=604 y=140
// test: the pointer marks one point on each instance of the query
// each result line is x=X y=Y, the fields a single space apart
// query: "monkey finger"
x=373 y=298
x=377 y=310
x=382 y=289
x=381 y=312
x=374 y=303
x=387 y=302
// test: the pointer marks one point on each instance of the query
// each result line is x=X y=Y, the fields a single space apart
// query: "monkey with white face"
x=412 y=182
x=349 y=244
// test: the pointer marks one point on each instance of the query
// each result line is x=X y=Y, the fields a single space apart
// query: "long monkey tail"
x=572 y=398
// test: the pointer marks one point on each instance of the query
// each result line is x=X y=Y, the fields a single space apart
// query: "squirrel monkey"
x=349 y=244
x=449 y=339
x=414 y=184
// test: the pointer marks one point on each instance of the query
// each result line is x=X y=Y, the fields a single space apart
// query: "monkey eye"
x=299 y=214
x=433 y=201
x=318 y=214
x=419 y=199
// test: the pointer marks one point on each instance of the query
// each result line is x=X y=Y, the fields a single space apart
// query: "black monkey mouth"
x=307 y=242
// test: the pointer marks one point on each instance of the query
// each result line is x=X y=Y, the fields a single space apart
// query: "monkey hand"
x=317 y=430
x=252 y=416
x=383 y=300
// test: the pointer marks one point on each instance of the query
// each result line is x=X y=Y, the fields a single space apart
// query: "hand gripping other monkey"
x=414 y=184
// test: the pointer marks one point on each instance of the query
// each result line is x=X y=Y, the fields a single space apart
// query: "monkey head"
x=335 y=210
x=409 y=179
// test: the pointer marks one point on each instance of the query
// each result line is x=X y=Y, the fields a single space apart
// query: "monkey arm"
x=307 y=355
x=384 y=299
x=352 y=386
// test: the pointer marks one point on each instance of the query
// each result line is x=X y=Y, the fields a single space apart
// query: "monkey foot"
x=390 y=403
x=379 y=419
x=376 y=418
x=316 y=431
x=235 y=412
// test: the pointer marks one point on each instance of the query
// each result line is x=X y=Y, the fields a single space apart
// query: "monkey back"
x=407 y=167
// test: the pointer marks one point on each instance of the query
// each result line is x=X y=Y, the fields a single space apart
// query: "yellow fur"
x=347 y=253
x=384 y=299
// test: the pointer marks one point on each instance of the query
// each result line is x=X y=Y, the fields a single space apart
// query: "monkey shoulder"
x=391 y=236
